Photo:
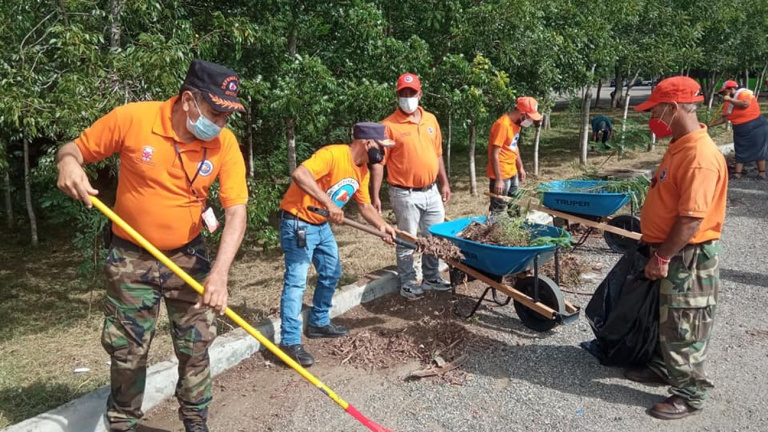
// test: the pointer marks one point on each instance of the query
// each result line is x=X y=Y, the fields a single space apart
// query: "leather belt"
x=415 y=189
x=285 y=215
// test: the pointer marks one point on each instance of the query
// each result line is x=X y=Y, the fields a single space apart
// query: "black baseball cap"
x=372 y=131
x=218 y=85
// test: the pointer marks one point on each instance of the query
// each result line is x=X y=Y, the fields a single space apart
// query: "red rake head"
x=370 y=424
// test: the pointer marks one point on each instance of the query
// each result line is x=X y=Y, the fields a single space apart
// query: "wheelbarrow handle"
x=362 y=227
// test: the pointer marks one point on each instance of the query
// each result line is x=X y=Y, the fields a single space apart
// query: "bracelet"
x=661 y=261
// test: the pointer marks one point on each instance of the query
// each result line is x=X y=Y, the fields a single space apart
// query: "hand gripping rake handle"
x=366 y=228
x=370 y=424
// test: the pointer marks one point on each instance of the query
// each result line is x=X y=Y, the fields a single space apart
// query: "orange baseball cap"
x=680 y=89
x=408 y=80
x=529 y=106
x=728 y=85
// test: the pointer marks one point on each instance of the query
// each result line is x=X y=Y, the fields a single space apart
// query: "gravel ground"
x=518 y=380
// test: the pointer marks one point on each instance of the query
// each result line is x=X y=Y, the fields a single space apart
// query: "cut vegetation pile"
x=439 y=247
x=508 y=231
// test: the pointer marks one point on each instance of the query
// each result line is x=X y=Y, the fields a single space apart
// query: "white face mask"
x=408 y=104
x=527 y=122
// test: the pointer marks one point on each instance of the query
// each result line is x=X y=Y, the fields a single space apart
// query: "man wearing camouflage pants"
x=170 y=154
x=682 y=220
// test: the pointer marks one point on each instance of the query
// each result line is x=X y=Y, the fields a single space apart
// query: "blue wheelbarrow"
x=538 y=300
x=588 y=203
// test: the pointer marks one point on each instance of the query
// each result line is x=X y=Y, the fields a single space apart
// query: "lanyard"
x=199 y=167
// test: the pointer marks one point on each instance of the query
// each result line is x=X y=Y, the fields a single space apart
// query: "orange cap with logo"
x=680 y=89
x=528 y=106
x=409 y=80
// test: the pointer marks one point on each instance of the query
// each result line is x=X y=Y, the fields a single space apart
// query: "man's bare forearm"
x=231 y=238
x=680 y=235
x=67 y=151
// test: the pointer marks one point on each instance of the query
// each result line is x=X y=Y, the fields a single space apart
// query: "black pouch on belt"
x=301 y=237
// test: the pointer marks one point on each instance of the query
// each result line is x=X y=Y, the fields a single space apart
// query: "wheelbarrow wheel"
x=549 y=294
x=619 y=243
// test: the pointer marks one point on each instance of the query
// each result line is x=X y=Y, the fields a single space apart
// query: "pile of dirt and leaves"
x=439 y=247
x=437 y=344
x=508 y=231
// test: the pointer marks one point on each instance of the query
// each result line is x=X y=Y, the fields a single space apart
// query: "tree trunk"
x=599 y=88
x=584 y=132
x=115 y=7
x=63 y=11
x=249 y=142
x=746 y=79
x=652 y=144
x=624 y=118
x=619 y=85
x=631 y=84
x=536 y=140
x=472 y=177
x=448 y=146
x=28 y=195
x=760 y=82
x=9 y=220
x=711 y=93
x=290 y=137
x=547 y=122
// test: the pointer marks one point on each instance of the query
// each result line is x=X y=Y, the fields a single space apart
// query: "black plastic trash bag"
x=624 y=314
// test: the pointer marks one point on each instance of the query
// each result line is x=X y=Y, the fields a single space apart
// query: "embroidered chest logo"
x=146 y=153
x=205 y=168
x=430 y=130
x=663 y=175
x=342 y=191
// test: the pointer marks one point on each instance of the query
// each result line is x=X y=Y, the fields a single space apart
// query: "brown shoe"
x=673 y=408
x=644 y=375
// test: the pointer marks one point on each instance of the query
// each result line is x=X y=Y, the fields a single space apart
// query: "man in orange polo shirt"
x=329 y=179
x=505 y=167
x=681 y=221
x=414 y=165
x=170 y=154
x=750 y=128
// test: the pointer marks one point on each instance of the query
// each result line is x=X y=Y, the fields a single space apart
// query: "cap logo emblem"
x=408 y=78
x=230 y=86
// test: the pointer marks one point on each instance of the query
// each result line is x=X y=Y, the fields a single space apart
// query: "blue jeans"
x=323 y=252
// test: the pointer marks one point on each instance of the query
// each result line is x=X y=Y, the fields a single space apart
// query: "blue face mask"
x=204 y=129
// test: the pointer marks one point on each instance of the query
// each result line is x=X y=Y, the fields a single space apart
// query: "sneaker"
x=195 y=424
x=411 y=292
x=439 y=284
x=298 y=354
x=327 y=331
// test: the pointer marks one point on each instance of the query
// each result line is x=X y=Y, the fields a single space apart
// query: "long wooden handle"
x=501 y=197
x=363 y=227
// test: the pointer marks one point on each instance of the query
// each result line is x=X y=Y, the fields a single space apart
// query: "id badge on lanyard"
x=208 y=216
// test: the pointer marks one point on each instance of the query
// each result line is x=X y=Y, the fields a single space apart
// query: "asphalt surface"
x=525 y=381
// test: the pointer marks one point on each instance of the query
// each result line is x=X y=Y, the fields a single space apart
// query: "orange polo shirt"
x=742 y=115
x=153 y=193
x=692 y=180
x=335 y=172
x=414 y=160
x=505 y=134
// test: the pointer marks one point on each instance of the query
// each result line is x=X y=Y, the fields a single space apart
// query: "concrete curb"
x=86 y=414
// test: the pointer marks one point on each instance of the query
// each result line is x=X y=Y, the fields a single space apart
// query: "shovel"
x=362 y=227
x=351 y=410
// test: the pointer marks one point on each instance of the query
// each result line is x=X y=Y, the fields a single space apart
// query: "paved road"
x=637 y=95
x=520 y=381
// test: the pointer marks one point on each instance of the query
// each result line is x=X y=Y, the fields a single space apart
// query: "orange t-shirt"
x=153 y=193
x=692 y=180
x=335 y=172
x=504 y=134
x=742 y=115
x=414 y=160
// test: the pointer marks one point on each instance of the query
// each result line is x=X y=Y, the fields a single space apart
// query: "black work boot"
x=195 y=423
x=327 y=331
x=297 y=353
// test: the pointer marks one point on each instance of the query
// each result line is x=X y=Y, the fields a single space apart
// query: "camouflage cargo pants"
x=687 y=303
x=137 y=283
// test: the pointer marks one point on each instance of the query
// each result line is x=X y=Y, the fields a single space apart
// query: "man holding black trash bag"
x=681 y=221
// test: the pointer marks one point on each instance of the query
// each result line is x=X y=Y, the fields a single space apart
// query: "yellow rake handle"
x=228 y=312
